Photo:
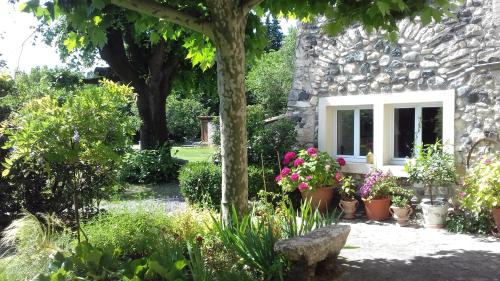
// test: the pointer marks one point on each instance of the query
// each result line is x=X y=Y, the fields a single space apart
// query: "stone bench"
x=313 y=256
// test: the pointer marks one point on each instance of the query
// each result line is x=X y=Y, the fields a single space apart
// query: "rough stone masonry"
x=437 y=56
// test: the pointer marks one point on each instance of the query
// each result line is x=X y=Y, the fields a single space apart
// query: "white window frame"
x=382 y=105
x=356 y=136
x=418 y=128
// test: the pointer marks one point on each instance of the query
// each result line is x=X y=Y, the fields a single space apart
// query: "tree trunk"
x=229 y=25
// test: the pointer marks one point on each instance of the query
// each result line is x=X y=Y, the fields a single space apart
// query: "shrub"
x=148 y=166
x=200 y=182
x=265 y=141
x=270 y=78
x=131 y=233
x=73 y=147
x=482 y=186
x=182 y=117
x=470 y=222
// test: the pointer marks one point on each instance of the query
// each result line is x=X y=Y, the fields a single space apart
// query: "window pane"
x=365 y=131
x=432 y=124
x=345 y=132
x=404 y=132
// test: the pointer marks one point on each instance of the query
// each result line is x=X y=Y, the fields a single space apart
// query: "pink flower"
x=341 y=161
x=339 y=176
x=309 y=178
x=303 y=186
x=298 y=162
x=462 y=194
x=312 y=151
x=278 y=178
x=294 y=177
x=285 y=171
x=487 y=161
x=289 y=157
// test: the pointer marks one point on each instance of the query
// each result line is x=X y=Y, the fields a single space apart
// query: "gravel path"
x=383 y=251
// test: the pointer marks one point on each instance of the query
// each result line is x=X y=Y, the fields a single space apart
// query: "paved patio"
x=383 y=251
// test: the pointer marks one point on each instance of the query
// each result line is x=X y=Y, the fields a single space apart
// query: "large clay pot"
x=349 y=208
x=320 y=198
x=378 y=209
x=434 y=215
x=401 y=214
x=496 y=217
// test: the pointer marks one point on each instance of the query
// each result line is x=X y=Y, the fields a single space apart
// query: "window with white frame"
x=412 y=126
x=390 y=125
x=354 y=132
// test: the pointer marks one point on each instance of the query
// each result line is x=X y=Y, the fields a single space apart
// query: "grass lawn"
x=193 y=154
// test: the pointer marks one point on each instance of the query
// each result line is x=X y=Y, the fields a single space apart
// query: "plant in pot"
x=376 y=194
x=433 y=167
x=400 y=207
x=348 y=202
x=482 y=189
x=313 y=173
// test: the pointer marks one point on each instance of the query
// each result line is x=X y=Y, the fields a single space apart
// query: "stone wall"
x=437 y=56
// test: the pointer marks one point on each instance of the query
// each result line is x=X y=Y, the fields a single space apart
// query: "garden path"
x=165 y=196
x=384 y=251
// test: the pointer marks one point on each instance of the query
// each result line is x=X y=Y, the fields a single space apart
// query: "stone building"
x=358 y=92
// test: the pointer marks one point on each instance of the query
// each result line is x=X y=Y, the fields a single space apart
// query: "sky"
x=22 y=51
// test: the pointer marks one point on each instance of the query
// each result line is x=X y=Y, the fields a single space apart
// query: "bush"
x=130 y=233
x=265 y=140
x=270 y=78
x=182 y=117
x=148 y=166
x=59 y=148
x=200 y=182
x=470 y=222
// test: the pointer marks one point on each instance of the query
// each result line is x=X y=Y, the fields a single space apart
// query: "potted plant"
x=482 y=188
x=348 y=202
x=432 y=167
x=376 y=193
x=313 y=173
x=400 y=207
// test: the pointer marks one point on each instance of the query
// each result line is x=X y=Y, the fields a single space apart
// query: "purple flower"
x=298 y=162
x=309 y=178
x=339 y=176
x=285 y=171
x=294 y=177
x=487 y=161
x=311 y=151
x=303 y=186
x=76 y=137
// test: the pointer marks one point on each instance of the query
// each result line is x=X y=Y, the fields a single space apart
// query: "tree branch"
x=113 y=52
x=155 y=9
x=248 y=5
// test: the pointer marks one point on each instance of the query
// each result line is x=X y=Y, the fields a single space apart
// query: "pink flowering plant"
x=378 y=185
x=482 y=185
x=309 y=169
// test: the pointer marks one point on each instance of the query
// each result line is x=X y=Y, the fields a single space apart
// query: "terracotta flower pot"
x=349 y=208
x=378 y=209
x=496 y=217
x=320 y=198
x=401 y=214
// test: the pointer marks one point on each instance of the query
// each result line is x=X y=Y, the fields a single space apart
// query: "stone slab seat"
x=314 y=255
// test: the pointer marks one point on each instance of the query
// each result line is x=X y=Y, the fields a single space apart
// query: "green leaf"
x=97 y=20
x=99 y=4
x=383 y=7
x=426 y=16
x=154 y=37
x=71 y=42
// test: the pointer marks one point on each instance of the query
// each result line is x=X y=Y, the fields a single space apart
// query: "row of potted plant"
x=315 y=174
x=378 y=191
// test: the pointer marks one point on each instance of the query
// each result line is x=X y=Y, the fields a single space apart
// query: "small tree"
x=64 y=154
x=432 y=166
